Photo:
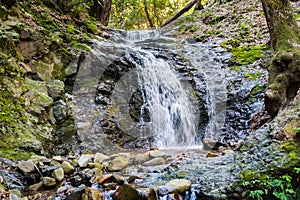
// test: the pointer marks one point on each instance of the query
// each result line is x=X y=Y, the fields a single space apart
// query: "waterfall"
x=172 y=120
x=208 y=64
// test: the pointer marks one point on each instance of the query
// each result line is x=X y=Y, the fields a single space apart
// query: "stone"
x=49 y=181
x=16 y=192
x=156 y=153
x=92 y=194
x=211 y=155
x=155 y=161
x=210 y=144
x=76 y=194
x=100 y=158
x=35 y=187
x=57 y=158
x=26 y=167
x=55 y=88
x=84 y=160
x=141 y=158
x=126 y=192
x=58 y=174
x=60 y=110
x=176 y=186
x=67 y=167
x=109 y=178
x=118 y=163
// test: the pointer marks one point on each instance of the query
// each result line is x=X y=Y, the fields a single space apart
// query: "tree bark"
x=284 y=72
x=181 y=12
x=199 y=5
x=147 y=14
x=101 y=9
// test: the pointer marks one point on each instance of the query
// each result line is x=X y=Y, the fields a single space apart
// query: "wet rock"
x=210 y=144
x=67 y=167
x=141 y=158
x=109 y=178
x=57 y=158
x=60 y=110
x=58 y=174
x=176 y=186
x=84 y=160
x=48 y=170
x=110 y=186
x=36 y=159
x=16 y=192
x=35 y=187
x=156 y=153
x=49 y=181
x=118 y=164
x=76 y=193
x=211 y=155
x=14 y=197
x=126 y=192
x=100 y=158
x=91 y=194
x=26 y=167
x=155 y=161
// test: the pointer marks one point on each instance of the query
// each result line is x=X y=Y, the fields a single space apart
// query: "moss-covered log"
x=284 y=76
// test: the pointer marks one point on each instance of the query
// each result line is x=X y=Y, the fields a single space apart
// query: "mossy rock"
x=245 y=55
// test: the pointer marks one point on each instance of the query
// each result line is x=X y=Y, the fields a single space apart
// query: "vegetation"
x=282 y=187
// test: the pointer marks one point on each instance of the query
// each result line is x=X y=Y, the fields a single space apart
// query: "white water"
x=215 y=79
x=172 y=120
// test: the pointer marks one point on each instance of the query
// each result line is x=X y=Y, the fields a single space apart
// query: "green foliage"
x=70 y=29
x=245 y=55
x=131 y=14
x=282 y=187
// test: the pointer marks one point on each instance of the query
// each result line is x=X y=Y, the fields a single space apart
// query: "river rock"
x=84 y=160
x=118 y=163
x=141 y=158
x=26 y=167
x=35 y=187
x=156 y=153
x=154 y=162
x=91 y=194
x=211 y=155
x=176 y=186
x=67 y=167
x=76 y=194
x=109 y=178
x=58 y=174
x=126 y=192
x=100 y=158
x=49 y=181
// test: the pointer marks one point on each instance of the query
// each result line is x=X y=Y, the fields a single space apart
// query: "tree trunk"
x=147 y=14
x=284 y=72
x=181 y=12
x=101 y=9
x=199 y=5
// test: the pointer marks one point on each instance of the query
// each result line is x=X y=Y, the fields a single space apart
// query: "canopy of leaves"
x=131 y=14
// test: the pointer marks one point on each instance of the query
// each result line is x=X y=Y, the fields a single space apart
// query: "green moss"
x=70 y=29
x=91 y=27
x=80 y=46
x=245 y=55
x=252 y=76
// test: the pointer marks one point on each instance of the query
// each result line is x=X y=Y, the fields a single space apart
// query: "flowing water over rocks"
x=139 y=89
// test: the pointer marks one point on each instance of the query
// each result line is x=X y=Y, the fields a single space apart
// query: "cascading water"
x=172 y=120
